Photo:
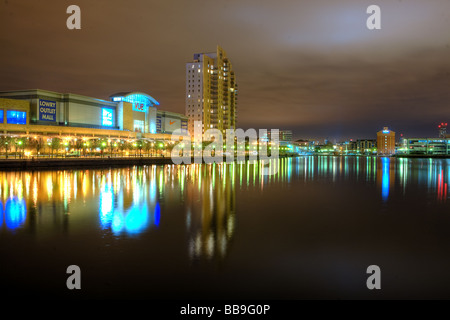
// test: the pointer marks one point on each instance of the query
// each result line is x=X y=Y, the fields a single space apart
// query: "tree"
x=36 y=143
x=122 y=145
x=5 y=143
x=55 y=145
x=147 y=147
x=102 y=144
x=79 y=144
x=20 y=145
x=140 y=145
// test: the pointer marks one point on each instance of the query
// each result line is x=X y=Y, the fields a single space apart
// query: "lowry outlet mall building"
x=128 y=115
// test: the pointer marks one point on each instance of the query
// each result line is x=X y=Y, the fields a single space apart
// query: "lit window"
x=16 y=117
x=139 y=126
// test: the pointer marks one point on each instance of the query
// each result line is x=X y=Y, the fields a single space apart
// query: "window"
x=2 y=118
x=139 y=126
x=16 y=117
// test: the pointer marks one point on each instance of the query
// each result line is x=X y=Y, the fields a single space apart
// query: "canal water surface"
x=227 y=231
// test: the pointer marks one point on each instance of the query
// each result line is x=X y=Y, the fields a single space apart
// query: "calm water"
x=227 y=231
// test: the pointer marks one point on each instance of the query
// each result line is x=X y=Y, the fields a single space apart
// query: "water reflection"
x=386 y=172
x=15 y=212
x=210 y=218
x=135 y=200
x=132 y=219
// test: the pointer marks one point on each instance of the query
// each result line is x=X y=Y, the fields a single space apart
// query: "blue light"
x=385 y=180
x=386 y=131
x=118 y=222
x=107 y=117
x=1 y=214
x=2 y=117
x=106 y=208
x=141 y=102
x=16 y=117
x=15 y=213
x=134 y=221
x=137 y=219
x=152 y=127
x=157 y=216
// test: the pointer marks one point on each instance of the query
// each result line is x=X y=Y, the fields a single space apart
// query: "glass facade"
x=140 y=102
x=428 y=146
x=16 y=117
x=139 y=126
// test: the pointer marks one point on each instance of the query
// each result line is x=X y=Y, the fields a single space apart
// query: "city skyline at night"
x=215 y=158
x=318 y=71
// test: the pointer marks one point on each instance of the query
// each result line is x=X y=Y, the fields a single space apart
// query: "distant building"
x=304 y=146
x=302 y=143
x=285 y=136
x=431 y=146
x=386 y=142
x=366 y=146
x=211 y=92
x=442 y=130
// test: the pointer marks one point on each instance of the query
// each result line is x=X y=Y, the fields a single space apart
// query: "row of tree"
x=54 y=147
x=61 y=147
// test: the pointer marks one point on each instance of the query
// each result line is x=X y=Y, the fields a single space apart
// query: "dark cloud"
x=310 y=66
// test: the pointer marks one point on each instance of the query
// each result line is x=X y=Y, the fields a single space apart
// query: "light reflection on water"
x=210 y=229
x=131 y=201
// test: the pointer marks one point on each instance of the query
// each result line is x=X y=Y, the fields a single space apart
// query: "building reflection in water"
x=210 y=218
x=127 y=203
x=134 y=200
x=15 y=212
x=385 y=170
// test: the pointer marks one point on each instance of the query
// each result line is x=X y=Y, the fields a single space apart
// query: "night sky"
x=309 y=66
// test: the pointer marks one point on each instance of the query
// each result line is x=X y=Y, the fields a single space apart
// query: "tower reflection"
x=211 y=209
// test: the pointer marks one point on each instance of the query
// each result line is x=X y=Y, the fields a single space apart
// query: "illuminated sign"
x=172 y=124
x=139 y=107
x=107 y=117
x=47 y=110
x=16 y=117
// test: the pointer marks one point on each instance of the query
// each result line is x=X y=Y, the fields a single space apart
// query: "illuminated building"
x=284 y=136
x=211 y=92
x=431 y=146
x=386 y=142
x=442 y=130
x=366 y=146
x=127 y=115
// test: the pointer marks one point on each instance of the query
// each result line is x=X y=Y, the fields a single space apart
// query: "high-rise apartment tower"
x=211 y=92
